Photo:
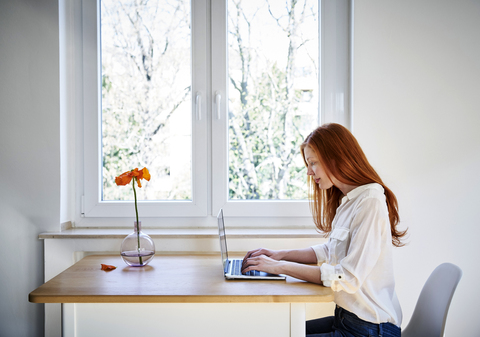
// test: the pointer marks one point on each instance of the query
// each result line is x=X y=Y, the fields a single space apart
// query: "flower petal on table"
x=107 y=267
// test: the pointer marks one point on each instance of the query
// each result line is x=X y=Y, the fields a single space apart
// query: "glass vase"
x=137 y=249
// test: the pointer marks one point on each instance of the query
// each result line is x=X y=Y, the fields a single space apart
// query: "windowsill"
x=184 y=233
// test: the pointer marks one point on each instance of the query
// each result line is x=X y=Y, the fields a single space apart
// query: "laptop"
x=232 y=267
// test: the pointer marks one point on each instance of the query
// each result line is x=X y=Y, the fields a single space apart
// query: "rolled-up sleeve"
x=321 y=253
x=331 y=273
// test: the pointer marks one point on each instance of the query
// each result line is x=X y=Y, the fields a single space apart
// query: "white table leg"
x=68 y=320
x=297 y=319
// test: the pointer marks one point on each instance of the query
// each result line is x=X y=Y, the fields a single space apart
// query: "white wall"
x=417 y=115
x=29 y=155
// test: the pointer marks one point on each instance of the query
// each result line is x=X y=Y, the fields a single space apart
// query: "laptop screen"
x=223 y=240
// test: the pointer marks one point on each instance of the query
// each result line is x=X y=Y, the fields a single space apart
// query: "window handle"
x=198 y=103
x=218 y=100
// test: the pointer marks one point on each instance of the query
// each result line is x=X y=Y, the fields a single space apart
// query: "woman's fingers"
x=255 y=252
x=250 y=264
x=260 y=263
x=260 y=259
x=252 y=253
x=249 y=254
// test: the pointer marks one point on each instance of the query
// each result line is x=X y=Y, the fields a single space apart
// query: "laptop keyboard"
x=237 y=269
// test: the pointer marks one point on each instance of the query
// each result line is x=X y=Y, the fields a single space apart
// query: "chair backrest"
x=430 y=314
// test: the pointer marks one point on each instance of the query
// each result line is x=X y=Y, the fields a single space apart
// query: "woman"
x=352 y=206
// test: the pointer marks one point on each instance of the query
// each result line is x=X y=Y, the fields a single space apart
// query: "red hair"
x=343 y=158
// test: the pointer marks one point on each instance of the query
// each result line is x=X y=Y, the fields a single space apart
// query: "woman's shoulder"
x=363 y=201
x=369 y=198
x=369 y=207
x=362 y=192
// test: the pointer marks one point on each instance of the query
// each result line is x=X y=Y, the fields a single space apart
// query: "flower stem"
x=138 y=229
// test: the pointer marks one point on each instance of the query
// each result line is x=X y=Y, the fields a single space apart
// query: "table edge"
x=34 y=298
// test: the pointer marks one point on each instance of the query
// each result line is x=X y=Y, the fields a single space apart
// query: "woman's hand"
x=289 y=262
x=262 y=263
x=248 y=259
x=274 y=254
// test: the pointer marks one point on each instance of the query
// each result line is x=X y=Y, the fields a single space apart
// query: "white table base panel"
x=183 y=319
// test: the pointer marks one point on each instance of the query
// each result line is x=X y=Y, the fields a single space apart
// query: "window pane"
x=146 y=97
x=273 y=95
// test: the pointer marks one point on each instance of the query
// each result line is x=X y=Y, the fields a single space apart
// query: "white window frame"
x=209 y=134
x=335 y=86
x=93 y=206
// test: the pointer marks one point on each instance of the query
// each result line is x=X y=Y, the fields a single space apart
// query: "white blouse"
x=356 y=262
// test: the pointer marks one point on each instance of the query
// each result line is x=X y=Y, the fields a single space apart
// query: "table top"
x=169 y=279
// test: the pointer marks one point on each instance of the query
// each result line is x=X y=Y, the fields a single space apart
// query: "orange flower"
x=107 y=267
x=126 y=177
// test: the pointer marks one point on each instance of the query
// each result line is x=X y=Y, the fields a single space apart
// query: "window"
x=146 y=97
x=214 y=97
x=139 y=77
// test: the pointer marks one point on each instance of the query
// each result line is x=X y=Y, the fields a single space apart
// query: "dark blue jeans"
x=347 y=324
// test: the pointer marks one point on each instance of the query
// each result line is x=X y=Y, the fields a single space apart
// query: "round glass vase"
x=137 y=249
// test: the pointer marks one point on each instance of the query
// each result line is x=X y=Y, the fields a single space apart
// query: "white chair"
x=430 y=314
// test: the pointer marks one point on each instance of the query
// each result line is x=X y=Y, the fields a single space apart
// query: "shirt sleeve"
x=331 y=273
x=320 y=252
x=369 y=230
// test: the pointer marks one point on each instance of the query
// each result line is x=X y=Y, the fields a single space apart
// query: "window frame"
x=92 y=204
x=335 y=106
x=209 y=134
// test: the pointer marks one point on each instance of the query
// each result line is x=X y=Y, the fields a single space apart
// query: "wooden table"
x=175 y=295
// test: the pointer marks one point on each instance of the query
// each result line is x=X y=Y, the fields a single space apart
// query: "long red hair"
x=343 y=158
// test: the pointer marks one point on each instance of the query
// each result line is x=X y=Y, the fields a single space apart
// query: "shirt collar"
x=358 y=190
